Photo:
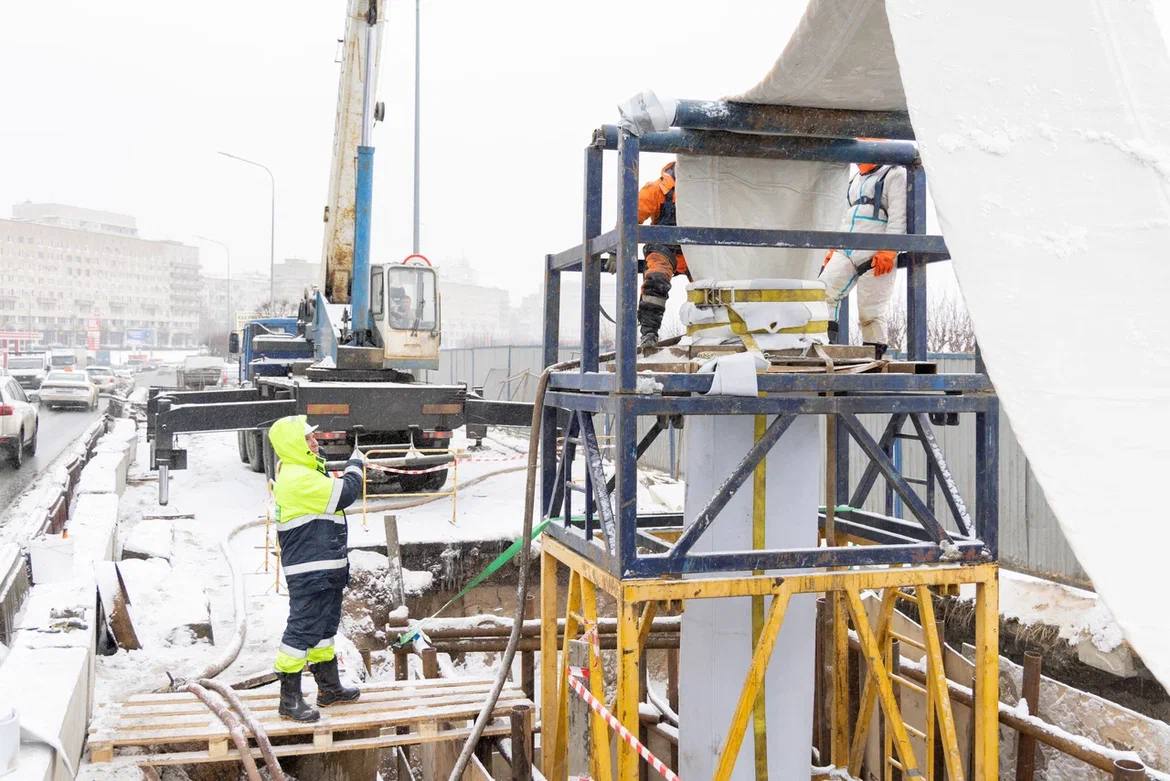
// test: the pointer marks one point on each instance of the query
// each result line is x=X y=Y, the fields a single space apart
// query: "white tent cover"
x=1044 y=128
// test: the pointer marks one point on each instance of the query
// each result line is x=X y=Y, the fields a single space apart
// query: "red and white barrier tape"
x=659 y=767
x=591 y=636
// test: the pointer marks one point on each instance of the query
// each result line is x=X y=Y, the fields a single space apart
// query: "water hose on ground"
x=489 y=705
x=234 y=727
x=275 y=772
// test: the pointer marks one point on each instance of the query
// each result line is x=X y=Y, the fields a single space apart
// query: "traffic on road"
x=46 y=419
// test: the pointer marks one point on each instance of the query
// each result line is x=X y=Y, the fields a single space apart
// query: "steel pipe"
x=791 y=120
x=719 y=143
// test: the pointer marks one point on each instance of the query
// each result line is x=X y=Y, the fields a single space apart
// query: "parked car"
x=29 y=369
x=64 y=388
x=18 y=422
x=103 y=377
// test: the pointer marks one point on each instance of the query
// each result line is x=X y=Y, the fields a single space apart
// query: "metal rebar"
x=1026 y=745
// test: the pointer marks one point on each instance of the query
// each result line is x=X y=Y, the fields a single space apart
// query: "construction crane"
x=393 y=318
x=364 y=337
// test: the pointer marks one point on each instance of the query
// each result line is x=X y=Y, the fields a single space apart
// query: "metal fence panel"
x=1030 y=536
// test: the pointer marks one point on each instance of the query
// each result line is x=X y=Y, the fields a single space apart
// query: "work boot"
x=292 y=702
x=879 y=349
x=329 y=688
x=648 y=341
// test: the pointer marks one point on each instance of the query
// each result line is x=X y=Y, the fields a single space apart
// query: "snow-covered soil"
x=181 y=585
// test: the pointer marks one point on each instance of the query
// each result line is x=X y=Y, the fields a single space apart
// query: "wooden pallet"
x=177 y=729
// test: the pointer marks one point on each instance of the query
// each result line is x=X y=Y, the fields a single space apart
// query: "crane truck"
x=367 y=334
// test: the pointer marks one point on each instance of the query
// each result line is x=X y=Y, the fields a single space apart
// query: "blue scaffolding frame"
x=612 y=533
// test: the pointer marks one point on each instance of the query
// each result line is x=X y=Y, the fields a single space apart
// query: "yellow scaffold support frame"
x=637 y=601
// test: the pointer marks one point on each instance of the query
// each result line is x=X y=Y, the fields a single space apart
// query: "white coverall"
x=874 y=293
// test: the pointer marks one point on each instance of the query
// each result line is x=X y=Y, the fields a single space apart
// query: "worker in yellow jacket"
x=311 y=529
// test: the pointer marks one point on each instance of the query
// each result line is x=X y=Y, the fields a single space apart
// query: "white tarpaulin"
x=1044 y=128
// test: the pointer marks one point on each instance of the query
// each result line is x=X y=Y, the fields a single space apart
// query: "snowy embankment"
x=181 y=589
x=47 y=674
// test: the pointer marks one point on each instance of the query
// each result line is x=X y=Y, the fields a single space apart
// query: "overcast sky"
x=122 y=105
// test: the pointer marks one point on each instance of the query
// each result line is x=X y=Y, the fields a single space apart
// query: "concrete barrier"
x=54 y=636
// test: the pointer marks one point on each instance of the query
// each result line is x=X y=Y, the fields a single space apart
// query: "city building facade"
x=85 y=278
x=292 y=277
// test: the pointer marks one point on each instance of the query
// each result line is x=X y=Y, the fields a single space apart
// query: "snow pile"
x=1080 y=615
x=24 y=518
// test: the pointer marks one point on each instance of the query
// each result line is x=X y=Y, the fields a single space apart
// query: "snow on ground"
x=218 y=493
x=1079 y=615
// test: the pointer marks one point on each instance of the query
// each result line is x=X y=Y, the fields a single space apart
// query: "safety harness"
x=876 y=199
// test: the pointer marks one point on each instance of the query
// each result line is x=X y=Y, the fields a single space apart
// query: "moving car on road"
x=63 y=388
x=29 y=369
x=103 y=377
x=18 y=422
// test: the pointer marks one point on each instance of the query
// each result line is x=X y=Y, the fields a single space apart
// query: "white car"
x=18 y=422
x=64 y=388
x=103 y=377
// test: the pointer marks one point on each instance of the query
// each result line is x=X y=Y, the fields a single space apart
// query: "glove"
x=358 y=455
x=828 y=257
x=883 y=262
x=609 y=264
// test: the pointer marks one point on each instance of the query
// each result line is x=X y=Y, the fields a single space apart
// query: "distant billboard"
x=139 y=337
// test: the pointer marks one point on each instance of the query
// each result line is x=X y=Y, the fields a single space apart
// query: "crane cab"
x=406 y=312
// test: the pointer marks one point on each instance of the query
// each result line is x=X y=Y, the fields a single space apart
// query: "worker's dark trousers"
x=312 y=617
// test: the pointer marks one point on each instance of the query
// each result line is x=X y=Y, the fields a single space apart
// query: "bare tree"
x=948 y=327
x=272 y=308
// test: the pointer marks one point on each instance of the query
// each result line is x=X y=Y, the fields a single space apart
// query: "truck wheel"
x=255 y=452
x=242 y=444
x=269 y=455
x=429 y=481
x=435 y=481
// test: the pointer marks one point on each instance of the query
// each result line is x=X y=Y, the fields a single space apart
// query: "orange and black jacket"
x=656 y=202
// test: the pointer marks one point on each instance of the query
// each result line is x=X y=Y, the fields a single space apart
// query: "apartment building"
x=77 y=275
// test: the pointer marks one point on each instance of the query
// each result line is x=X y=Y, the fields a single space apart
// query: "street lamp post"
x=227 y=251
x=417 y=94
x=271 y=225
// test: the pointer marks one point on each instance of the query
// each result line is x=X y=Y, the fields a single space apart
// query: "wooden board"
x=169 y=723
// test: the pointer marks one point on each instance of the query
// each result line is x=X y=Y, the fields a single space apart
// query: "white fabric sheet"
x=716 y=642
x=1045 y=132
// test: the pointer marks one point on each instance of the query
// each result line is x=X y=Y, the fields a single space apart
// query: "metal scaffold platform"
x=649 y=563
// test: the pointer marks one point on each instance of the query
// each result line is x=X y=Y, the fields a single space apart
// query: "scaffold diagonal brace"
x=896 y=481
x=938 y=465
x=743 y=470
x=869 y=476
x=602 y=502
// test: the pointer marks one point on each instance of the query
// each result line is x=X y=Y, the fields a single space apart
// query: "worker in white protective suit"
x=877 y=204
